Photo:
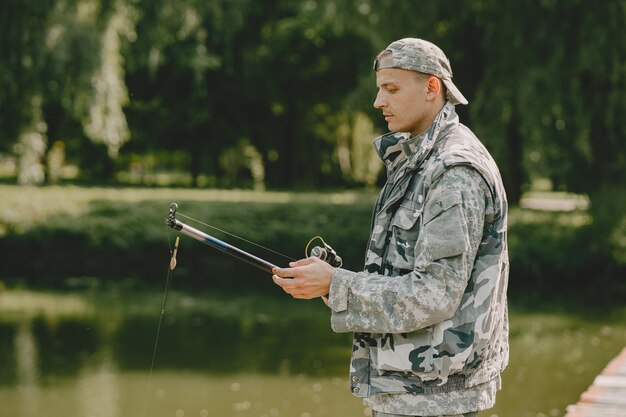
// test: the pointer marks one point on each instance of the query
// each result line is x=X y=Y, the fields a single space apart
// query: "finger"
x=302 y=295
x=302 y=262
x=325 y=300
x=277 y=280
x=284 y=272
x=287 y=284
x=281 y=282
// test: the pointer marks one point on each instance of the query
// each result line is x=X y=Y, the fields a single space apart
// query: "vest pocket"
x=445 y=228
x=404 y=233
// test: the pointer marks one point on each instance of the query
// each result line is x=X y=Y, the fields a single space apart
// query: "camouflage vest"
x=472 y=346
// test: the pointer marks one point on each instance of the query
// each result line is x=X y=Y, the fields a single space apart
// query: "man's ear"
x=434 y=87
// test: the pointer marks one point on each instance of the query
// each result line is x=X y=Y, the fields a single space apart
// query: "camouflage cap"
x=421 y=56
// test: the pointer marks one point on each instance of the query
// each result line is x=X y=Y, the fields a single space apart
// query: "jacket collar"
x=396 y=147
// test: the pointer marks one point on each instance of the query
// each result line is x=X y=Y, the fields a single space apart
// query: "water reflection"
x=214 y=356
x=89 y=354
x=26 y=360
x=97 y=388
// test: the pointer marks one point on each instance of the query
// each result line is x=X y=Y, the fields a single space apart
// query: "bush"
x=571 y=256
x=554 y=256
x=116 y=241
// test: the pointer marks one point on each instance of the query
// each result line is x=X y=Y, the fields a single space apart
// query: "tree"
x=292 y=80
x=51 y=51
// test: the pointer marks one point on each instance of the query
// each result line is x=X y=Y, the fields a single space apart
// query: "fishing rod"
x=207 y=239
x=325 y=253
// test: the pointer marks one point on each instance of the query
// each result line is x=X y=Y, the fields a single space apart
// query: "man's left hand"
x=307 y=278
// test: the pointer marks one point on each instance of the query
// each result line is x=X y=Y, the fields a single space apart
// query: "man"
x=429 y=311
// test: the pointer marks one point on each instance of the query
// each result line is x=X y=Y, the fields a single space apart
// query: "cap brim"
x=454 y=95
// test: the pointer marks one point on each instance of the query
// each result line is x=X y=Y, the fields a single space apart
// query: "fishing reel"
x=325 y=253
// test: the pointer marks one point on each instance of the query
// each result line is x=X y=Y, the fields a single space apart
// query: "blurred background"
x=256 y=117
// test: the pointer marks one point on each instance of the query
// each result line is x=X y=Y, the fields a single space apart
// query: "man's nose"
x=379 y=102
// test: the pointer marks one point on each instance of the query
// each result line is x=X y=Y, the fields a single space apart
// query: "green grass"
x=119 y=233
x=24 y=206
x=67 y=234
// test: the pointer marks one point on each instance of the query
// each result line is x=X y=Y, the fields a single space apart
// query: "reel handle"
x=328 y=255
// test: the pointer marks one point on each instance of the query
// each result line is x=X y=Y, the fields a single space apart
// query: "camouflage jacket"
x=429 y=311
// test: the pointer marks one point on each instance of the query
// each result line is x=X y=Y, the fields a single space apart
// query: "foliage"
x=118 y=234
x=292 y=80
x=553 y=90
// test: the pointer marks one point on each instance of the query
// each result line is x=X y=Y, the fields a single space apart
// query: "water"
x=88 y=354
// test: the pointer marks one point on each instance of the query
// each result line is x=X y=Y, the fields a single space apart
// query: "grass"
x=113 y=234
x=25 y=206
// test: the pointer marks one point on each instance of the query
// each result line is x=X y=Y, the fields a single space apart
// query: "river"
x=88 y=353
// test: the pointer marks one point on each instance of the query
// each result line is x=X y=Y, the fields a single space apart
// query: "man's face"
x=402 y=99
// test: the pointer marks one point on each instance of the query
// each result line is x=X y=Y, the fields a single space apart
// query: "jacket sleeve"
x=451 y=231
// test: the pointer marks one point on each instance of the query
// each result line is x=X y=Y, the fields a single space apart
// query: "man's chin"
x=392 y=128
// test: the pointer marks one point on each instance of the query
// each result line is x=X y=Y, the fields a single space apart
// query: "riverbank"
x=78 y=236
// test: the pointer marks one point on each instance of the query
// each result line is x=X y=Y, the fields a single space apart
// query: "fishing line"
x=170 y=268
x=236 y=237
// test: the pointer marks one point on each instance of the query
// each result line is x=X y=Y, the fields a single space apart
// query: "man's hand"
x=307 y=278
